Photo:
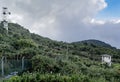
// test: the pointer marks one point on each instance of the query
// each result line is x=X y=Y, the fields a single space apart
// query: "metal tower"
x=5 y=14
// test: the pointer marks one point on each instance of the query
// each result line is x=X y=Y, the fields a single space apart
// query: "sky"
x=68 y=20
x=112 y=11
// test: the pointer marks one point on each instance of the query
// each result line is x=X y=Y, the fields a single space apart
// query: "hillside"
x=18 y=37
x=95 y=42
x=50 y=58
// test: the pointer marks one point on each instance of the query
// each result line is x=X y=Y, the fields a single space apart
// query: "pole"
x=2 y=65
x=23 y=63
x=67 y=53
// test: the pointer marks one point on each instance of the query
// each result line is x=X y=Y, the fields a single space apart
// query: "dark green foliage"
x=94 y=43
x=54 y=61
x=44 y=64
x=37 y=77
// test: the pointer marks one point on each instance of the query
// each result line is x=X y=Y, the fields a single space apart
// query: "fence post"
x=23 y=63
x=2 y=65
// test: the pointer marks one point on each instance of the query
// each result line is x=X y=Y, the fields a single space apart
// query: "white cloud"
x=93 y=21
x=67 y=20
x=115 y=21
x=15 y=18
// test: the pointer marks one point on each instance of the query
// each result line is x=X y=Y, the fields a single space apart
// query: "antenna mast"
x=5 y=13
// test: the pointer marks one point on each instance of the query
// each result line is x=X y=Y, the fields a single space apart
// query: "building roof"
x=106 y=55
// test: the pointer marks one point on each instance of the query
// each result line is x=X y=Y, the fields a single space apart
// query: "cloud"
x=66 y=20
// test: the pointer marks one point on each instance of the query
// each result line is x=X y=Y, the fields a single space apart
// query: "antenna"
x=5 y=13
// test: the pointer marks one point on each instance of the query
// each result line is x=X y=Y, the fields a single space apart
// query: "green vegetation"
x=53 y=61
x=36 y=77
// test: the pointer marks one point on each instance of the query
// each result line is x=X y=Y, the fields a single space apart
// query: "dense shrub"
x=36 y=77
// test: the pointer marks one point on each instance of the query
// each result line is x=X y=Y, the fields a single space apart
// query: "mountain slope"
x=19 y=39
x=95 y=43
x=51 y=59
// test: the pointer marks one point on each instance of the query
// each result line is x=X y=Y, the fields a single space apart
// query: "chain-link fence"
x=10 y=66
